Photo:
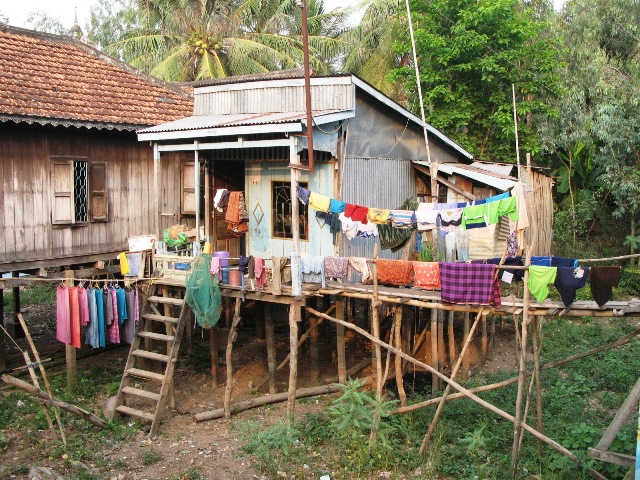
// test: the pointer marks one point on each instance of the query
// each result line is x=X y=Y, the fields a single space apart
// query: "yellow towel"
x=319 y=202
x=124 y=264
x=378 y=215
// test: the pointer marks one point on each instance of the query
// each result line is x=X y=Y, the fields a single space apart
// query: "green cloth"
x=506 y=206
x=395 y=238
x=203 y=293
x=539 y=280
x=474 y=214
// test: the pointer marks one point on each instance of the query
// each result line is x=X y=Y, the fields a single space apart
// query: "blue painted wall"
x=259 y=177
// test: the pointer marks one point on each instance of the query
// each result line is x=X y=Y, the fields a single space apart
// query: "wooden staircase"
x=146 y=368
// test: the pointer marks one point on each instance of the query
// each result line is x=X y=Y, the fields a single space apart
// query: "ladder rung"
x=167 y=300
x=141 y=393
x=156 y=336
x=160 y=318
x=151 y=355
x=135 y=413
x=136 y=372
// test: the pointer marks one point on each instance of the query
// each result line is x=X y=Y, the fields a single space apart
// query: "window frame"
x=304 y=210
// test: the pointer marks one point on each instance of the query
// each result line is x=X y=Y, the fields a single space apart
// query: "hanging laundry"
x=394 y=272
x=541 y=261
x=83 y=306
x=495 y=198
x=523 y=216
x=260 y=272
x=217 y=199
x=136 y=311
x=108 y=307
x=100 y=309
x=236 y=216
x=92 y=337
x=366 y=230
x=129 y=331
x=135 y=261
x=303 y=194
x=496 y=210
x=426 y=217
x=450 y=247
x=337 y=267
x=356 y=213
x=564 y=262
x=539 y=280
x=516 y=261
x=319 y=202
x=378 y=215
x=395 y=238
x=449 y=220
x=475 y=215
x=224 y=202
x=447 y=206
x=63 y=315
x=512 y=245
x=337 y=206
x=124 y=264
x=122 y=305
x=74 y=309
x=602 y=280
x=312 y=270
x=215 y=265
x=361 y=266
x=427 y=275
x=243 y=264
x=349 y=226
x=401 y=218
x=469 y=283
x=281 y=273
x=462 y=244
x=114 y=329
x=568 y=281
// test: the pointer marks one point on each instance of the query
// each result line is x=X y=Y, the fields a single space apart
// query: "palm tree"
x=185 y=40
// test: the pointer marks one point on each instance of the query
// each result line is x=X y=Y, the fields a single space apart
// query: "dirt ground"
x=213 y=447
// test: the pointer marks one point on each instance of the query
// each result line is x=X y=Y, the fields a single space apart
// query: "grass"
x=191 y=474
x=149 y=457
x=36 y=295
x=579 y=399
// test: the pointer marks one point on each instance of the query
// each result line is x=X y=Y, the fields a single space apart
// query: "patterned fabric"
x=366 y=230
x=260 y=273
x=602 y=280
x=337 y=267
x=539 y=279
x=236 y=216
x=512 y=245
x=427 y=275
x=114 y=330
x=356 y=212
x=63 y=315
x=568 y=281
x=394 y=272
x=319 y=202
x=469 y=283
x=312 y=270
x=361 y=266
x=84 y=306
x=378 y=215
x=337 y=206
x=401 y=218
x=450 y=219
x=303 y=194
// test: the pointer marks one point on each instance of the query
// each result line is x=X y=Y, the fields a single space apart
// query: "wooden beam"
x=70 y=351
x=294 y=318
x=232 y=337
x=271 y=348
x=3 y=350
x=446 y=182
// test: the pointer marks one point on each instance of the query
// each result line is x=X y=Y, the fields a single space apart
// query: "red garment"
x=427 y=275
x=84 y=306
x=394 y=272
x=260 y=272
x=74 y=307
x=356 y=213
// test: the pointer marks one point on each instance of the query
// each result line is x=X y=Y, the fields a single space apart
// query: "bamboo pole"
x=375 y=324
x=294 y=318
x=34 y=380
x=454 y=373
x=340 y=342
x=229 y=359
x=537 y=348
x=451 y=337
x=465 y=392
x=271 y=349
x=465 y=358
x=397 y=322
x=435 y=380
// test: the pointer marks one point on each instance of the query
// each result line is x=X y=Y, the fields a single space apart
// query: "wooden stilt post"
x=442 y=350
x=70 y=351
x=232 y=338
x=454 y=373
x=435 y=381
x=375 y=324
x=213 y=349
x=485 y=341
x=397 y=324
x=537 y=347
x=227 y=312
x=492 y=332
x=294 y=318
x=352 y=350
x=260 y=322
x=340 y=345
x=3 y=348
x=313 y=343
x=465 y=358
x=271 y=348
x=169 y=331
x=406 y=332
x=451 y=338
x=16 y=308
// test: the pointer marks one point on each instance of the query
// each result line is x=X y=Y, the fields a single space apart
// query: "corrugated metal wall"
x=378 y=183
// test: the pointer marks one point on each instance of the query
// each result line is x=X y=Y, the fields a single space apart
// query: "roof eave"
x=64 y=122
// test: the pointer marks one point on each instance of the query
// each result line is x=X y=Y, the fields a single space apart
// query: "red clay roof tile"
x=54 y=77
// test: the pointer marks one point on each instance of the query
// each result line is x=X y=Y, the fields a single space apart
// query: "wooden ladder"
x=142 y=355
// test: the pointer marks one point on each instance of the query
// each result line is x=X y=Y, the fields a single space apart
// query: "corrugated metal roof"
x=487 y=178
x=499 y=168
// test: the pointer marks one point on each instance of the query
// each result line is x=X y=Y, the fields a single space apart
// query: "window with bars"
x=281 y=223
x=79 y=191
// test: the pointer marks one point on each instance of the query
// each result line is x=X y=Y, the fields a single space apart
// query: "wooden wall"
x=29 y=238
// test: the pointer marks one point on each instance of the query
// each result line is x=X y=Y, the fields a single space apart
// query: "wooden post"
x=537 y=346
x=18 y=333
x=294 y=318
x=442 y=351
x=70 y=351
x=485 y=341
x=315 y=364
x=492 y=332
x=397 y=323
x=375 y=324
x=465 y=358
x=213 y=349
x=227 y=311
x=207 y=201
x=351 y=303
x=169 y=331
x=271 y=348
x=340 y=346
x=259 y=321
x=451 y=338
x=406 y=332
x=3 y=350
x=232 y=337
x=435 y=381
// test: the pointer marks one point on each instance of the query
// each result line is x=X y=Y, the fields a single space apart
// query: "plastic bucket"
x=225 y=274
x=224 y=258
x=235 y=278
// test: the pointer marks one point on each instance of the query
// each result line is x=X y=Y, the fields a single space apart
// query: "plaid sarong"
x=469 y=283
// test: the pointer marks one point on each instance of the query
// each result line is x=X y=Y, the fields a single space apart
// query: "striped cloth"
x=401 y=218
x=469 y=283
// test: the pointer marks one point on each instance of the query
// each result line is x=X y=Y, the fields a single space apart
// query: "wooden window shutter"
x=98 y=199
x=187 y=189
x=62 y=204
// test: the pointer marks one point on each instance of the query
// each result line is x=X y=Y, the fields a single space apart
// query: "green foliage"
x=36 y=295
x=426 y=253
x=191 y=474
x=149 y=457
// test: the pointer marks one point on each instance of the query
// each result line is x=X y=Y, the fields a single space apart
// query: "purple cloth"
x=337 y=267
x=303 y=194
x=469 y=283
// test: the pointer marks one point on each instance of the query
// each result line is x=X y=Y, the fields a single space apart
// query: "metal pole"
x=307 y=84
x=196 y=174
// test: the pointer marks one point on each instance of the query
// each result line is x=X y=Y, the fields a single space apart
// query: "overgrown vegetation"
x=36 y=295
x=580 y=399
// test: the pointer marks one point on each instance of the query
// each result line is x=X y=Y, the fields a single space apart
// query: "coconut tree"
x=185 y=40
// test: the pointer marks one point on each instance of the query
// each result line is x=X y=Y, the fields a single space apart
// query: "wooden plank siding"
x=26 y=153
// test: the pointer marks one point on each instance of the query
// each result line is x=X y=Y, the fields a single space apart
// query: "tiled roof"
x=58 y=80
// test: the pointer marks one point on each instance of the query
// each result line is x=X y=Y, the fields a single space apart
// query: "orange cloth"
x=74 y=306
x=427 y=275
x=394 y=272
x=234 y=215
